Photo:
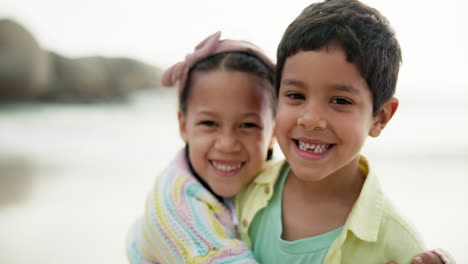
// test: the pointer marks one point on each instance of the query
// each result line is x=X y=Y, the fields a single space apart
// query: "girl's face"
x=229 y=128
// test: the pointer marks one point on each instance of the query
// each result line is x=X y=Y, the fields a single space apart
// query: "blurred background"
x=85 y=127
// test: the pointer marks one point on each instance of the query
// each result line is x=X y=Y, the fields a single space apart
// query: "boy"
x=337 y=69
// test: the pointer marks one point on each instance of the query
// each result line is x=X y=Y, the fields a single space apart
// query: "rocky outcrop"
x=90 y=79
x=23 y=64
x=29 y=73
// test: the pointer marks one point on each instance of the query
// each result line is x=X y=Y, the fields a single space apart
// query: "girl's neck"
x=195 y=174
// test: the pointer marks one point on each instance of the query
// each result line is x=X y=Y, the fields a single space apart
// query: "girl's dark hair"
x=231 y=61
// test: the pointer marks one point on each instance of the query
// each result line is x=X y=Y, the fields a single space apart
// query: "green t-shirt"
x=266 y=229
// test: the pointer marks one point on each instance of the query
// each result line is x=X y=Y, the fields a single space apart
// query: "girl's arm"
x=184 y=223
x=135 y=244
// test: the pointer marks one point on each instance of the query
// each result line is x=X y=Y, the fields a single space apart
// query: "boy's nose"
x=227 y=142
x=312 y=118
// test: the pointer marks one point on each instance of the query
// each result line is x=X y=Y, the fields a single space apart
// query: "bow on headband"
x=209 y=46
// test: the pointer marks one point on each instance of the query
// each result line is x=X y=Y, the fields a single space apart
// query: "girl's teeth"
x=313 y=148
x=227 y=168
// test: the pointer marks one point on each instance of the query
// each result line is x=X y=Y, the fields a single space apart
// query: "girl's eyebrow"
x=206 y=112
x=209 y=113
x=250 y=114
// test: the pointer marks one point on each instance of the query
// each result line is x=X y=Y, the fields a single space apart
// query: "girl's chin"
x=225 y=191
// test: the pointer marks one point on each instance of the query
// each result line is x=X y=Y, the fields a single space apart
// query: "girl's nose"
x=227 y=142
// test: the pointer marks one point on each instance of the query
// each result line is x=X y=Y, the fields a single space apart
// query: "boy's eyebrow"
x=293 y=82
x=346 y=88
x=338 y=87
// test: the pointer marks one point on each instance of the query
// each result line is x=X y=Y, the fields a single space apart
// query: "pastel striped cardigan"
x=184 y=223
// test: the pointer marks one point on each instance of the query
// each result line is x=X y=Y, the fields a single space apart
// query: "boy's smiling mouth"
x=316 y=147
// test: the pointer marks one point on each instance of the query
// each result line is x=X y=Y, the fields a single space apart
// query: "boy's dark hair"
x=232 y=61
x=364 y=34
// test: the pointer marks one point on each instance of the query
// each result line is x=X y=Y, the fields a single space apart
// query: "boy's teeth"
x=313 y=148
x=223 y=167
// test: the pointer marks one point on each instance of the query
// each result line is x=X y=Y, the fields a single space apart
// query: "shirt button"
x=245 y=223
x=267 y=190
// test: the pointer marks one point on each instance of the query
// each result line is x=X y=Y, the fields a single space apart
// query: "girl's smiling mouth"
x=226 y=167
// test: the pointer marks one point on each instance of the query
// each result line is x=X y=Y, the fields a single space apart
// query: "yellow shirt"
x=373 y=233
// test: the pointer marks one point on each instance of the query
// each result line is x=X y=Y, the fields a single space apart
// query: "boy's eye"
x=249 y=125
x=295 y=96
x=207 y=123
x=341 y=101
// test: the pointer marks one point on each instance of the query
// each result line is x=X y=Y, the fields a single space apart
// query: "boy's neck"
x=313 y=208
x=343 y=183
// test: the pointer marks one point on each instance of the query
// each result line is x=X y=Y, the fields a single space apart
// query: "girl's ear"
x=273 y=138
x=383 y=117
x=182 y=126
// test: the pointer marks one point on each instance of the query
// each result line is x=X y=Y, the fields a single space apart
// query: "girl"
x=226 y=112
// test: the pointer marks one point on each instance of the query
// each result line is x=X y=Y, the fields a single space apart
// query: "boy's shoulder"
x=392 y=221
x=396 y=228
x=397 y=239
x=379 y=231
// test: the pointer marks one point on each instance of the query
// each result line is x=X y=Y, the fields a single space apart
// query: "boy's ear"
x=182 y=126
x=383 y=117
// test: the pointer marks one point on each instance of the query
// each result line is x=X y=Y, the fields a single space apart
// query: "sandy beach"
x=74 y=177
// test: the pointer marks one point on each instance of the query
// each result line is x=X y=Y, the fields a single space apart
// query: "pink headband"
x=210 y=46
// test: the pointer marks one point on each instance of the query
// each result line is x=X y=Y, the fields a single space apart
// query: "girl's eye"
x=341 y=101
x=249 y=125
x=208 y=123
x=295 y=96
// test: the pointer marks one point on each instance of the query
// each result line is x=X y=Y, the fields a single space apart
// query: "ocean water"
x=74 y=177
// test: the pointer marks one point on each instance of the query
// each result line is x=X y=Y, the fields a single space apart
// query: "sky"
x=432 y=33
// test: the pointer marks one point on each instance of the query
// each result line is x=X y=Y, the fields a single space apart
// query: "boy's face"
x=229 y=128
x=325 y=113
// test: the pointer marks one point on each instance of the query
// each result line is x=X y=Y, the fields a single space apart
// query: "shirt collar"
x=366 y=214
x=270 y=172
x=365 y=217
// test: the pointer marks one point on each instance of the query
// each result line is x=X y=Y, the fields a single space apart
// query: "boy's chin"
x=307 y=173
